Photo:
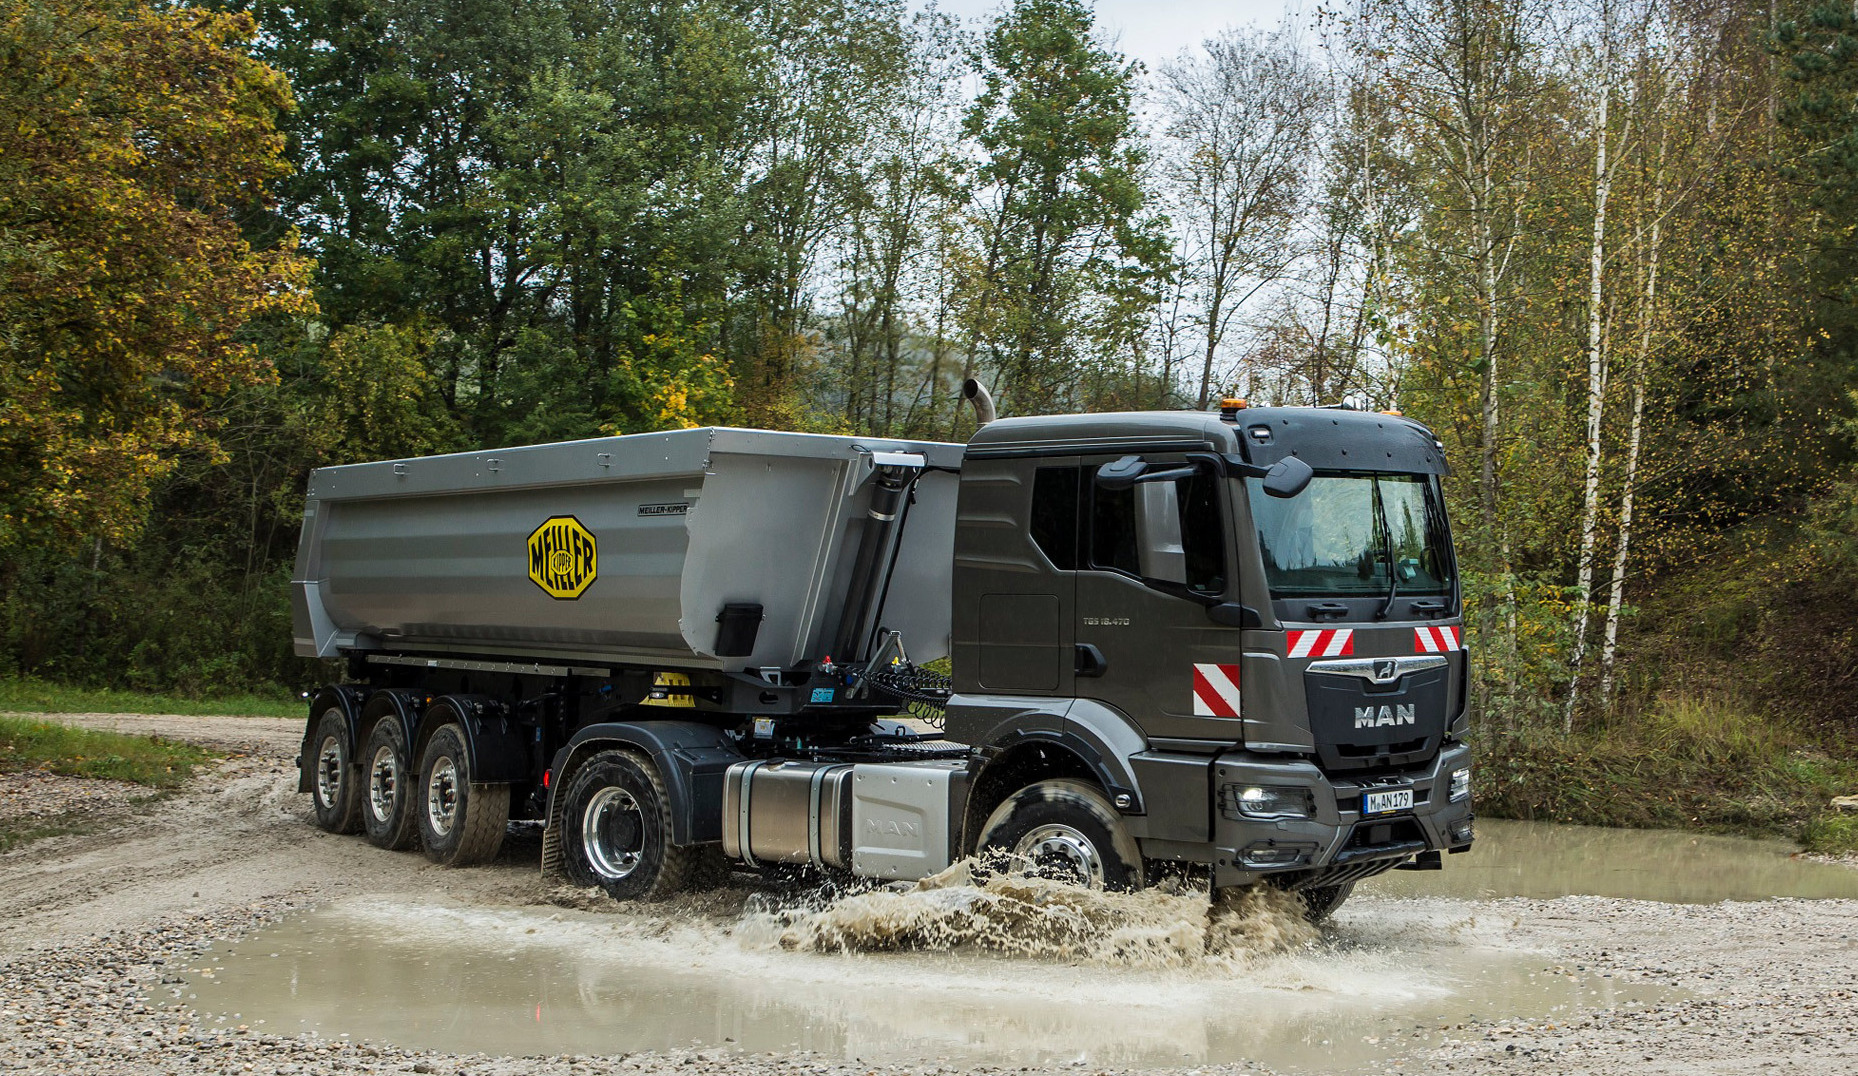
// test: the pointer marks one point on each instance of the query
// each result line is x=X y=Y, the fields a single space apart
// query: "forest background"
x=1607 y=249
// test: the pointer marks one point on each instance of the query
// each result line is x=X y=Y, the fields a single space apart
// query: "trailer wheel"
x=460 y=822
x=386 y=789
x=332 y=775
x=616 y=830
x=1067 y=831
x=1320 y=902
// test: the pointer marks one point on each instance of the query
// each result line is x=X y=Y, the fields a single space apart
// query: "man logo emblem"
x=1385 y=670
x=1371 y=717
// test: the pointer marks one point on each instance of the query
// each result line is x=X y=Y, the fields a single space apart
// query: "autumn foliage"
x=134 y=141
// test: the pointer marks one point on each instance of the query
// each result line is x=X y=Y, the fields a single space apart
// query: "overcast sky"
x=1154 y=30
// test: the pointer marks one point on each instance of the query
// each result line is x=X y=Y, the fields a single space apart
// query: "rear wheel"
x=1065 y=830
x=332 y=775
x=460 y=823
x=616 y=830
x=387 y=787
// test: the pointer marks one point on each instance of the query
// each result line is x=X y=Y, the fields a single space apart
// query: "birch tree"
x=1648 y=244
x=1604 y=140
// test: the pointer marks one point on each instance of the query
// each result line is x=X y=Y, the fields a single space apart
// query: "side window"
x=1203 y=534
x=1113 y=530
x=1116 y=532
x=1054 y=515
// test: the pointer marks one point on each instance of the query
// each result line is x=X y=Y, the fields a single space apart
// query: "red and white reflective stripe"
x=1216 y=691
x=1326 y=643
x=1437 y=640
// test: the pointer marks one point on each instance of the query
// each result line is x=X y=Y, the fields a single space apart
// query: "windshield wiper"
x=1387 y=545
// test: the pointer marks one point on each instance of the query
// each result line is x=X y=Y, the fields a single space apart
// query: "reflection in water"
x=1541 y=859
x=530 y=981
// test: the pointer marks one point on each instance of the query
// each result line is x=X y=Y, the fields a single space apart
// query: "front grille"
x=1359 y=726
x=1371 y=752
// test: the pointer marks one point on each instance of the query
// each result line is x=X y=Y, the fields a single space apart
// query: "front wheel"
x=1320 y=902
x=460 y=823
x=1066 y=831
x=616 y=830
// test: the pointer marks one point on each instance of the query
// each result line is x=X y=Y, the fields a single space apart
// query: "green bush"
x=1691 y=761
x=1832 y=833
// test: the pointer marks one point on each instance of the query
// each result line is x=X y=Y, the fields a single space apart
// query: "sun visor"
x=1336 y=440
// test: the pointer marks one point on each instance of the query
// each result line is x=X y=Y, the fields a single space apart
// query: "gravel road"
x=92 y=924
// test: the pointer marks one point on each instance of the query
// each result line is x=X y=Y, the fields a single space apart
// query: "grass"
x=40 y=697
x=25 y=744
x=1687 y=762
x=144 y=760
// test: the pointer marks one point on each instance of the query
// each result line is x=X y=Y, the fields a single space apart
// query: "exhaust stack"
x=983 y=401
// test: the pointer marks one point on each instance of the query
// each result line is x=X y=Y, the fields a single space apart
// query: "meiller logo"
x=1368 y=717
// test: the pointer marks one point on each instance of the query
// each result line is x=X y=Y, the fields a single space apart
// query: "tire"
x=386 y=788
x=616 y=830
x=1320 y=903
x=1066 y=830
x=461 y=823
x=333 y=776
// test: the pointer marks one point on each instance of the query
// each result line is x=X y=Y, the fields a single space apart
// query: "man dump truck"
x=1228 y=639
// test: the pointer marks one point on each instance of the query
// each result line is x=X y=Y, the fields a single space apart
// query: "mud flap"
x=551 y=851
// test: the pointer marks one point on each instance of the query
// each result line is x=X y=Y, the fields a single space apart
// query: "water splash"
x=968 y=908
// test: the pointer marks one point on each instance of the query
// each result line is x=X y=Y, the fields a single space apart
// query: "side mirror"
x=1287 y=477
x=1122 y=473
x=1159 y=551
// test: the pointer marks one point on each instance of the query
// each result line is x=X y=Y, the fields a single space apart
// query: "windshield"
x=1333 y=538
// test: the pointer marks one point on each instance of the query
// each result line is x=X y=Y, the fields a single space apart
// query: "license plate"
x=1399 y=799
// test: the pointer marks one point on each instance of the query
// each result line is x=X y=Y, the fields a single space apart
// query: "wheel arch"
x=495 y=747
x=400 y=704
x=344 y=697
x=690 y=757
x=1036 y=755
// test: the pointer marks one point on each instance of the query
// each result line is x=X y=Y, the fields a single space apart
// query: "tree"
x=1822 y=113
x=135 y=141
x=837 y=71
x=1607 y=143
x=556 y=189
x=1464 y=80
x=1240 y=122
x=1068 y=255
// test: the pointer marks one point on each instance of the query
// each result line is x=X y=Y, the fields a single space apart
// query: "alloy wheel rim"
x=442 y=796
x=329 y=771
x=1061 y=853
x=383 y=783
x=613 y=833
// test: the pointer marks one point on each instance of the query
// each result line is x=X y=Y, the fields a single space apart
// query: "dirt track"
x=89 y=924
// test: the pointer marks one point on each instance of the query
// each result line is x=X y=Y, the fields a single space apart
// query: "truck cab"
x=1272 y=685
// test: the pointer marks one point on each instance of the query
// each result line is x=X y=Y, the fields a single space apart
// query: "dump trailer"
x=1227 y=640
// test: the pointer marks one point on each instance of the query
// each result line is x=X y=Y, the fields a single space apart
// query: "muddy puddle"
x=1541 y=859
x=944 y=974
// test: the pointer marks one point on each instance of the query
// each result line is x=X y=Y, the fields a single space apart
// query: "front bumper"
x=1336 y=843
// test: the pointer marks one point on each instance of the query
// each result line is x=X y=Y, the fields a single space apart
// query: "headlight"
x=1461 y=785
x=1267 y=801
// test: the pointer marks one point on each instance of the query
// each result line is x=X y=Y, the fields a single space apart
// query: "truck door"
x=1155 y=555
x=1016 y=554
